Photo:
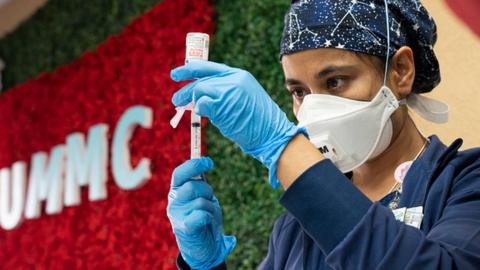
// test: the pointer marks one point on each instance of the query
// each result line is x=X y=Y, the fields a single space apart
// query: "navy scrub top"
x=330 y=224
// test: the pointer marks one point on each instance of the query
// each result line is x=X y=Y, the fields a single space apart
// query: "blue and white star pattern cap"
x=359 y=26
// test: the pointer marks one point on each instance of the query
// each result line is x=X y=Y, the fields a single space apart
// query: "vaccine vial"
x=197 y=46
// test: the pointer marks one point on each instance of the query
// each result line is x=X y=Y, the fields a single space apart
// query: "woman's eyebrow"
x=330 y=69
x=292 y=81
x=323 y=73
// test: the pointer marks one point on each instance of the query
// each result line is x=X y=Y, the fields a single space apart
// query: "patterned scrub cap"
x=360 y=26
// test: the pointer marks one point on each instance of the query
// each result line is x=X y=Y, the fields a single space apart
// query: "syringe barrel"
x=196 y=48
x=195 y=136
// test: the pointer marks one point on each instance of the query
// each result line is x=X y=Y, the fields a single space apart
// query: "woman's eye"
x=299 y=93
x=335 y=83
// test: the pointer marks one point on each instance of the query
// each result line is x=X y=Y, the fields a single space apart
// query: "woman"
x=364 y=189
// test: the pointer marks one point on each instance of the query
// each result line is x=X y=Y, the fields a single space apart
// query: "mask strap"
x=428 y=108
x=387 y=22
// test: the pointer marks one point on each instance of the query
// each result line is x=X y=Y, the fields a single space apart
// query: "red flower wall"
x=128 y=230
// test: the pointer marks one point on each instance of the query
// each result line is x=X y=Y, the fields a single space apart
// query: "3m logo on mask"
x=324 y=149
x=327 y=150
x=326 y=145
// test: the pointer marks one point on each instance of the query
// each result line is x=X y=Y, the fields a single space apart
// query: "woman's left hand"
x=239 y=107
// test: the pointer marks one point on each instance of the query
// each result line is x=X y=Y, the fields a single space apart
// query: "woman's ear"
x=402 y=68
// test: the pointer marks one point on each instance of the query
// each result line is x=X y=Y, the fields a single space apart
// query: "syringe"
x=197 y=48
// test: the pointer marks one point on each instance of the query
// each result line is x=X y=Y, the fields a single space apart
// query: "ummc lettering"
x=58 y=178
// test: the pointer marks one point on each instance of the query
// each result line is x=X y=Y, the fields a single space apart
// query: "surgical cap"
x=360 y=26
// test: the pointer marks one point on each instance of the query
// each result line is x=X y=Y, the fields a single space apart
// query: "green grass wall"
x=60 y=32
x=247 y=36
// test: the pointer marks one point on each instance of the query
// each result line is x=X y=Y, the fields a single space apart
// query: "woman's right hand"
x=196 y=217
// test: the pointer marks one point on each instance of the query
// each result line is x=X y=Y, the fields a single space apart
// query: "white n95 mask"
x=349 y=132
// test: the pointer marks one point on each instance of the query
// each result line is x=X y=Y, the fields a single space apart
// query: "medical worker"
x=364 y=189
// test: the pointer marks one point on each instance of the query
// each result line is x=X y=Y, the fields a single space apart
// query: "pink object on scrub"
x=402 y=170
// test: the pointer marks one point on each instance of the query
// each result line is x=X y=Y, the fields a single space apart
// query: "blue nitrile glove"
x=239 y=107
x=196 y=217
